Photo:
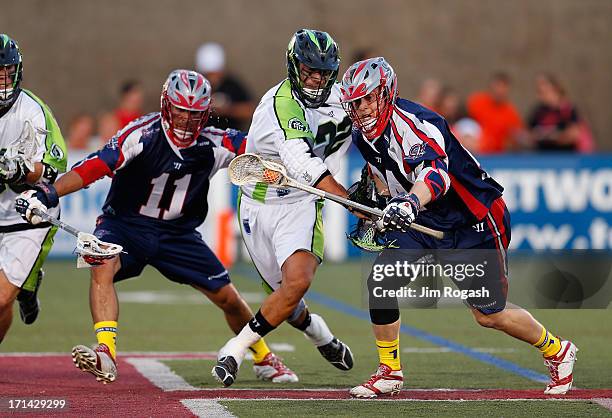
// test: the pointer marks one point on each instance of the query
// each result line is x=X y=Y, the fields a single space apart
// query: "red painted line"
x=446 y=395
x=132 y=395
x=56 y=377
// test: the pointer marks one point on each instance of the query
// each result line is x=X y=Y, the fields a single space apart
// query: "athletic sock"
x=548 y=344
x=388 y=353
x=260 y=350
x=106 y=333
x=317 y=331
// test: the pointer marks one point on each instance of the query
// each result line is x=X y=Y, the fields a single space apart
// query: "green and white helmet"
x=10 y=56
x=317 y=51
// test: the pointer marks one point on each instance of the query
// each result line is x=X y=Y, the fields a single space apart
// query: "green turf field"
x=184 y=323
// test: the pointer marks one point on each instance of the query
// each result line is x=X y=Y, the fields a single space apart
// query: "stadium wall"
x=77 y=53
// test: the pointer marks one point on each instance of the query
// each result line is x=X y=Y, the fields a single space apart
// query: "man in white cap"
x=233 y=104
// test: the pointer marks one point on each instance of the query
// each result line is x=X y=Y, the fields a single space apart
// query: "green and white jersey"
x=50 y=148
x=309 y=142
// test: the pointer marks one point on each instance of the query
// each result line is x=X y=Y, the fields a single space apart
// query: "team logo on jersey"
x=246 y=226
x=56 y=152
x=282 y=192
x=307 y=177
x=298 y=125
x=416 y=151
x=177 y=166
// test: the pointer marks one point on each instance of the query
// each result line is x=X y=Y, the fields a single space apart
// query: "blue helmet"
x=318 y=51
x=10 y=56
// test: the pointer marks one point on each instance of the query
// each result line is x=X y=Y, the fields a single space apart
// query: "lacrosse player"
x=31 y=150
x=432 y=178
x=160 y=165
x=300 y=123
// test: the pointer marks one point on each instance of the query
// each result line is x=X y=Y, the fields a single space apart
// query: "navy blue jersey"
x=418 y=145
x=156 y=183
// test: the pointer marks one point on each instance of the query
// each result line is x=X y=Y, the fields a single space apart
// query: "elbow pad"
x=301 y=164
x=436 y=179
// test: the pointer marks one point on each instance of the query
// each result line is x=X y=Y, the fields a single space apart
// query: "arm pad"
x=300 y=163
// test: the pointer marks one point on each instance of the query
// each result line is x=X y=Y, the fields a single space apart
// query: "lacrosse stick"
x=251 y=168
x=89 y=248
x=25 y=147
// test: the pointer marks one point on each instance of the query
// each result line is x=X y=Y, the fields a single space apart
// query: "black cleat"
x=338 y=354
x=225 y=370
x=29 y=305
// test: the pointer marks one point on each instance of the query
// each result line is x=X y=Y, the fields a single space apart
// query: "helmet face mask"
x=312 y=66
x=368 y=92
x=11 y=70
x=185 y=106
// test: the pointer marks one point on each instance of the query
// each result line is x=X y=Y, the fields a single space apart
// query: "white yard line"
x=207 y=408
x=605 y=402
x=160 y=375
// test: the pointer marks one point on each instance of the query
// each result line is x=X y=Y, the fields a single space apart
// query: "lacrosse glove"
x=42 y=197
x=401 y=211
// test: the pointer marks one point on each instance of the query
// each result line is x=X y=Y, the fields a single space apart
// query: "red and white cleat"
x=272 y=368
x=384 y=382
x=560 y=368
x=96 y=360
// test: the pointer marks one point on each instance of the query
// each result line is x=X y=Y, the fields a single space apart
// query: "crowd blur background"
x=509 y=76
x=527 y=77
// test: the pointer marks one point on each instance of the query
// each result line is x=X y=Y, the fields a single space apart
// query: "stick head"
x=251 y=168
x=93 y=251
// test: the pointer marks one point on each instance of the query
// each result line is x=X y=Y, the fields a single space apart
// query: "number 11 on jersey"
x=179 y=192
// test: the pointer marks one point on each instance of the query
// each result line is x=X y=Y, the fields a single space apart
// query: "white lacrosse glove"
x=401 y=212
x=26 y=202
x=42 y=197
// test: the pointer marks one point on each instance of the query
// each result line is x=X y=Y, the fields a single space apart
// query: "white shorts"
x=22 y=254
x=273 y=232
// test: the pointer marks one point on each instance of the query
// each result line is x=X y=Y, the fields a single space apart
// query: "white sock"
x=318 y=332
x=237 y=347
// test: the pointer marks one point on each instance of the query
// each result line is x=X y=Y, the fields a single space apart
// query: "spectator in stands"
x=363 y=53
x=502 y=127
x=233 y=105
x=130 y=107
x=429 y=93
x=554 y=122
x=81 y=133
x=469 y=133
x=449 y=105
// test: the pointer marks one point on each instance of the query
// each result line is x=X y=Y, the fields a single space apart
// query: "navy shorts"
x=182 y=257
x=491 y=234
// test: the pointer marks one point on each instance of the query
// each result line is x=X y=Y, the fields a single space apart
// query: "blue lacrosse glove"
x=401 y=211
x=43 y=196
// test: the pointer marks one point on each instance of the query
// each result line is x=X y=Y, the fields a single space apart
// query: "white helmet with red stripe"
x=189 y=91
x=372 y=80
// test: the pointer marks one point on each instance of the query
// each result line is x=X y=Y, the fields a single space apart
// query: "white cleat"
x=229 y=358
x=96 y=360
x=561 y=367
x=384 y=382
x=272 y=368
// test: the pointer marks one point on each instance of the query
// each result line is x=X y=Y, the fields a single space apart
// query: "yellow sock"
x=548 y=344
x=388 y=353
x=106 y=333
x=260 y=350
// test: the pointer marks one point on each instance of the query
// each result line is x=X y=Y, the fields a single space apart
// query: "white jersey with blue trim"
x=417 y=145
